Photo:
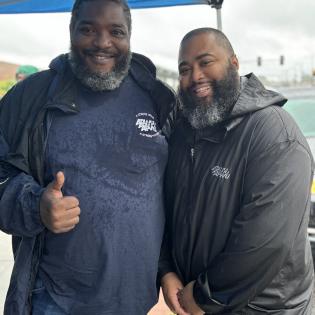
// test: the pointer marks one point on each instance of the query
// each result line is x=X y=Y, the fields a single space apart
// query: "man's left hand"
x=187 y=301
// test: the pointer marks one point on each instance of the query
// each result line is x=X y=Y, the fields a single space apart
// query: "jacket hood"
x=254 y=96
x=141 y=68
x=59 y=63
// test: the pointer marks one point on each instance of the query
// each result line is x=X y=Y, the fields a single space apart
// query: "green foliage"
x=5 y=86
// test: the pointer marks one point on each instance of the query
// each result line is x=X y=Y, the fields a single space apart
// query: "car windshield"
x=302 y=109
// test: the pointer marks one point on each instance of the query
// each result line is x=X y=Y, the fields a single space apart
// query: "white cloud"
x=256 y=28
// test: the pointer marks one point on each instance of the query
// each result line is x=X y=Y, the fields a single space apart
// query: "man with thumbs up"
x=58 y=213
x=83 y=150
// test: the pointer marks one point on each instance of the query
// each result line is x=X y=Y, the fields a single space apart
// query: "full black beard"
x=98 y=81
x=202 y=113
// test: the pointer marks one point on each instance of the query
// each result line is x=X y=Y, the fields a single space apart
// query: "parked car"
x=301 y=106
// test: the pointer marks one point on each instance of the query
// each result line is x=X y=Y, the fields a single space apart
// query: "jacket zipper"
x=189 y=212
x=192 y=154
x=191 y=177
x=191 y=183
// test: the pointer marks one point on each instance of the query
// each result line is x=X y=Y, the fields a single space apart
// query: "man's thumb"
x=59 y=181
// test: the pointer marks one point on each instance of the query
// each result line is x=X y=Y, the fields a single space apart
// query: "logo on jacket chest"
x=146 y=125
x=221 y=172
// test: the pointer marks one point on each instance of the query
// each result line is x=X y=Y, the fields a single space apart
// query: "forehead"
x=203 y=44
x=101 y=12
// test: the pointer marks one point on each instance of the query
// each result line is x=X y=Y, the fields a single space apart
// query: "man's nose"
x=103 y=40
x=196 y=74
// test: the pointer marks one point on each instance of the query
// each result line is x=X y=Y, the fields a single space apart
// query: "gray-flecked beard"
x=201 y=112
x=99 y=81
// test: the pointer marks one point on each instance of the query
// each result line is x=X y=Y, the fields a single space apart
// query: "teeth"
x=202 y=89
x=102 y=57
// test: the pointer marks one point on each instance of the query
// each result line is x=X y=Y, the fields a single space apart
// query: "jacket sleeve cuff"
x=203 y=297
x=20 y=207
x=164 y=268
x=30 y=202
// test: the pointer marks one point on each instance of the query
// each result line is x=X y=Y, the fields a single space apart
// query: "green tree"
x=5 y=86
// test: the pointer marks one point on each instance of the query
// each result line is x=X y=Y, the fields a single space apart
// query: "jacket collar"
x=253 y=97
x=141 y=69
x=192 y=136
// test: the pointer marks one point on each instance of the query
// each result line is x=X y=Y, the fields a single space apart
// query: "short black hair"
x=77 y=4
x=219 y=36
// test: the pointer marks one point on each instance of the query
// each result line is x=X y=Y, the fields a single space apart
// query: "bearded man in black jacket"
x=83 y=149
x=237 y=192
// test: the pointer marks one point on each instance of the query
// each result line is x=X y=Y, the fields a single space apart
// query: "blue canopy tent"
x=48 y=6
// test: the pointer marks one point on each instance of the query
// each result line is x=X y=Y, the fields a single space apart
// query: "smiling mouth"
x=202 y=91
x=100 y=58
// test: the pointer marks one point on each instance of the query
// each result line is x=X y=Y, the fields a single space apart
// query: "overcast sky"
x=266 y=28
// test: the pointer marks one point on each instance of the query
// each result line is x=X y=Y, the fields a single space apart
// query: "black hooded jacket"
x=238 y=200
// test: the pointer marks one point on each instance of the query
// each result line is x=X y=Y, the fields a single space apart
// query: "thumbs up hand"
x=59 y=214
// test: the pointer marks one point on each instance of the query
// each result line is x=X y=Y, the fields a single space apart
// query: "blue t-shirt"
x=113 y=156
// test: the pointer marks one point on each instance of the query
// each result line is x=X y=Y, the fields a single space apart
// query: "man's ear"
x=234 y=62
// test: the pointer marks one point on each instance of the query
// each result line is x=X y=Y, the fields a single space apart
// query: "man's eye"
x=206 y=62
x=86 y=30
x=118 y=33
x=183 y=71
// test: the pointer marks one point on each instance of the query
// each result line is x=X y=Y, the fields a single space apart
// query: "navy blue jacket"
x=25 y=117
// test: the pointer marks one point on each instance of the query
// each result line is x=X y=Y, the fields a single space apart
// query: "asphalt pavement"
x=6 y=264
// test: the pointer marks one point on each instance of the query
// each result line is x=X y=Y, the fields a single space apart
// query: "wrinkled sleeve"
x=165 y=262
x=274 y=207
x=19 y=192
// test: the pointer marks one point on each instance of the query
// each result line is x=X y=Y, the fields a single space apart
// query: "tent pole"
x=217 y=4
x=219 y=20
